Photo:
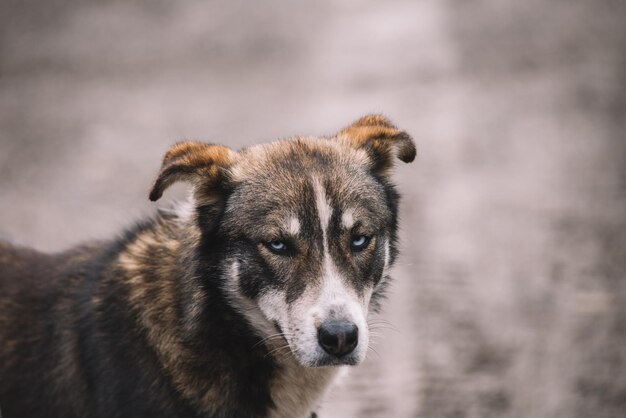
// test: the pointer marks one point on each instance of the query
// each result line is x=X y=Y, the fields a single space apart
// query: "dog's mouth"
x=325 y=361
x=322 y=359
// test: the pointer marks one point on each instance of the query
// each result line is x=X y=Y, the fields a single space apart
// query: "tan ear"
x=381 y=140
x=201 y=164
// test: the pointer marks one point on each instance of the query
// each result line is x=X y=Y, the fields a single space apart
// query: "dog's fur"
x=194 y=313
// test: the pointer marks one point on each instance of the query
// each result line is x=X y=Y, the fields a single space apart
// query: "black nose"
x=338 y=338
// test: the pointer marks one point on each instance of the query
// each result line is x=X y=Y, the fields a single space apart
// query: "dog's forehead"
x=292 y=155
x=285 y=168
x=281 y=177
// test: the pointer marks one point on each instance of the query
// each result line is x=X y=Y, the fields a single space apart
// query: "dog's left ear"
x=382 y=141
x=195 y=162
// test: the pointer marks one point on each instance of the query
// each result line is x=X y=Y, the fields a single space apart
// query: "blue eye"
x=360 y=242
x=278 y=247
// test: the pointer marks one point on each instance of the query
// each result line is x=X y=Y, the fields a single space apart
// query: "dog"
x=243 y=302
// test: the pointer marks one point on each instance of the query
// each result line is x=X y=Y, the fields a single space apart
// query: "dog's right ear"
x=195 y=162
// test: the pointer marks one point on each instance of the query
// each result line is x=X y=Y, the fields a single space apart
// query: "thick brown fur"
x=144 y=325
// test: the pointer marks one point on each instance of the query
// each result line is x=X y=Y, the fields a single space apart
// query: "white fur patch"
x=347 y=218
x=334 y=299
x=386 y=265
x=294 y=226
x=343 y=301
x=324 y=211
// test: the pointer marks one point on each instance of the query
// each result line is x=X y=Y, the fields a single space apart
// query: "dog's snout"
x=338 y=338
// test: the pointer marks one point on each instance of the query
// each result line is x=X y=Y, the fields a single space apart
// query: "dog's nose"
x=338 y=338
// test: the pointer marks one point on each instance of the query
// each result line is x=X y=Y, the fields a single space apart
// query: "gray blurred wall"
x=509 y=299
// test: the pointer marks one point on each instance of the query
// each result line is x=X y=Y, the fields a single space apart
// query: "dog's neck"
x=297 y=389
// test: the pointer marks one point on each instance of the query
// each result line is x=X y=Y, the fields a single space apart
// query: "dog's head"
x=308 y=227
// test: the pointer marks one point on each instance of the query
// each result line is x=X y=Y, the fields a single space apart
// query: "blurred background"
x=510 y=294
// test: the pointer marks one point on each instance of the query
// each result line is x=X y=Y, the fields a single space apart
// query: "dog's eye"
x=360 y=242
x=278 y=247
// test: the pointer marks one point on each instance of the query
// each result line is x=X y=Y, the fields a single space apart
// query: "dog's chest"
x=298 y=390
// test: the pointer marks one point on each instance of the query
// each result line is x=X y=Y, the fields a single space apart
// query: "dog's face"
x=310 y=227
x=311 y=232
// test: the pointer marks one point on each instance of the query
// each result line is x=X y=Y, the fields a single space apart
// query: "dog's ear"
x=382 y=141
x=195 y=162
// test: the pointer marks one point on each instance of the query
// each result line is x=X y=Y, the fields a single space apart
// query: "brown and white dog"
x=241 y=303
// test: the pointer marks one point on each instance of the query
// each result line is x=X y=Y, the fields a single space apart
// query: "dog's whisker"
x=280 y=355
x=276 y=336
x=278 y=350
x=381 y=323
x=380 y=331
x=384 y=327
x=369 y=347
x=376 y=321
